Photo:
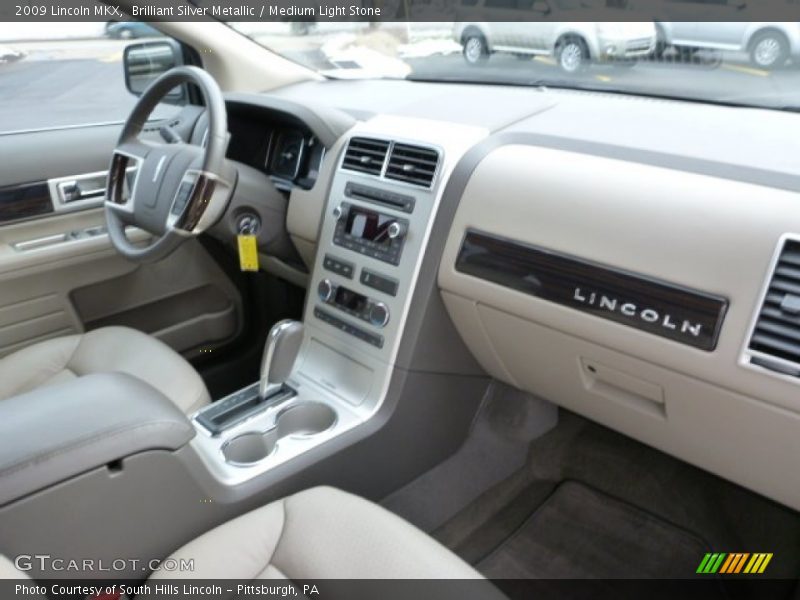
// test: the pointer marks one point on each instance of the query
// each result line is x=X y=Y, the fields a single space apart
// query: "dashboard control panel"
x=376 y=221
x=379 y=282
x=367 y=231
x=374 y=312
x=348 y=328
x=337 y=265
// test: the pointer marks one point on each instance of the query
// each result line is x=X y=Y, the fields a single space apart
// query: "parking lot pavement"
x=65 y=83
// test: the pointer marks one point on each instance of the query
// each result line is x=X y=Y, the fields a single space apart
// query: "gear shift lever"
x=280 y=353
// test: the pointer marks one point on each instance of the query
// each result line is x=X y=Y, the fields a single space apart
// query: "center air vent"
x=412 y=164
x=777 y=329
x=365 y=155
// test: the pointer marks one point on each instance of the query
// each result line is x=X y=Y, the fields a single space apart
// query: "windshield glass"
x=742 y=63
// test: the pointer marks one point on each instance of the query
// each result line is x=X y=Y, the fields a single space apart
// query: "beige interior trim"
x=706 y=233
x=236 y=62
x=275 y=266
x=38 y=286
x=304 y=216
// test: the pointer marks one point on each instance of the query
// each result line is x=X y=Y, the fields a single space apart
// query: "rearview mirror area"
x=145 y=62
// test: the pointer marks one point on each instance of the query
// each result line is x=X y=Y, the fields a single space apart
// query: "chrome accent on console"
x=396 y=230
x=280 y=353
x=325 y=290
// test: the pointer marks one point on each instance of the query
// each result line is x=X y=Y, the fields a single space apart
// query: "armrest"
x=57 y=432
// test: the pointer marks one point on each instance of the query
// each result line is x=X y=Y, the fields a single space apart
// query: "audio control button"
x=325 y=290
x=379 y=314
x=379 y=282
x=336 y=265
x=396 y=230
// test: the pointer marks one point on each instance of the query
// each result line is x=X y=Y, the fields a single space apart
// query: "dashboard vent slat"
x=365 y=155
x=777 y=329
x=413 y=164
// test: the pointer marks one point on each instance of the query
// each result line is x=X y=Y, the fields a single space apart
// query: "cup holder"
x=305 y=419
x=249 y=448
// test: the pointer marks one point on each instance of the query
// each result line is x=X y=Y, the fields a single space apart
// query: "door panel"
x=185 y=300
x=59 y=273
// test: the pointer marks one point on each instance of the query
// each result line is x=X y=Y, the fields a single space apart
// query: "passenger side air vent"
x=365 y=155
x=777 y=329
x=412 y=164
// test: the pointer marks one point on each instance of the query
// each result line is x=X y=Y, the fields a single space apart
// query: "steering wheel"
x=174 y=191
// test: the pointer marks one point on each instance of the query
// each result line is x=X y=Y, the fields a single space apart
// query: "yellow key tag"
x=248 y=252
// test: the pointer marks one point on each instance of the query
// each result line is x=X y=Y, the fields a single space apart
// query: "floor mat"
x=582 y=533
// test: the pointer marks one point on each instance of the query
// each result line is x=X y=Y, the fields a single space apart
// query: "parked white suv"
x=573 y=44
x=769 y=45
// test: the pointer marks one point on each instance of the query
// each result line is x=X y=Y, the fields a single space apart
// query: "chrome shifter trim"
x=278 y=330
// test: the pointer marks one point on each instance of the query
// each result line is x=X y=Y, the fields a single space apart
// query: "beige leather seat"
x=105 y=350
x=320 y=533
x=315 y=536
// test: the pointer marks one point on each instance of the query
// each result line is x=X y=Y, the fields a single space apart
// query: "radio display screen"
x=350 y=300
x=368 y=225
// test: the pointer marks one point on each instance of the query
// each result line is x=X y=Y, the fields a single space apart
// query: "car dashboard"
x=615 y=255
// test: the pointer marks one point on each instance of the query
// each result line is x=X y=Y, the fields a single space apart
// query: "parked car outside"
x=574 y=44
x=769 y=45
x=128 y=30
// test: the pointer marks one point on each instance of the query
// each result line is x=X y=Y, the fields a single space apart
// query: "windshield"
x=740 y=63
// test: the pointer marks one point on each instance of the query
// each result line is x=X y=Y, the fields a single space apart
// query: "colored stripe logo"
x=734 y=563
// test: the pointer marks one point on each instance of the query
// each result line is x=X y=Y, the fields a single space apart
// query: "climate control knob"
x=379 y=314
x=396 y=230
x=338 y=212
x=325 y=290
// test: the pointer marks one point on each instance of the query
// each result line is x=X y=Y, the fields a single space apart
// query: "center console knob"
x=396 y=230
x=379 y=314
x=338 y=212
x=325 y=290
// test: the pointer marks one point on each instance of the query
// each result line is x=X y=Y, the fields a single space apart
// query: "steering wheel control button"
x=379 y=314
x=338 y=266
x=325 y=290
x=182 y=197
x=379 y=282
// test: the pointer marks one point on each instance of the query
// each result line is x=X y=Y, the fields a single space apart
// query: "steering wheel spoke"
x=121 y=212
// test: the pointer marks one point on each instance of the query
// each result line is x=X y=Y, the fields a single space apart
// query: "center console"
x=376 y=221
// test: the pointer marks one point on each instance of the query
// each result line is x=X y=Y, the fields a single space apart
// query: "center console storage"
x=54 y=433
